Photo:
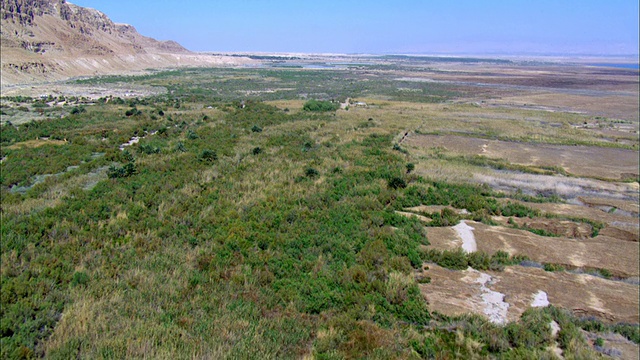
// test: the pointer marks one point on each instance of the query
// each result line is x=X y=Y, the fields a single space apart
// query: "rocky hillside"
x=44 y=40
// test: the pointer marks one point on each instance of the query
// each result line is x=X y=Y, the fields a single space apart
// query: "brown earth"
x=453 y=292
x=628 y=349
x=594 y=91
x=569 y=229
x=629 y=206
x=618 y=256
x=620 y=226
x=588 y=161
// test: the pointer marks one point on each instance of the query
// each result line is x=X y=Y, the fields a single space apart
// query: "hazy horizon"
x=494 y=27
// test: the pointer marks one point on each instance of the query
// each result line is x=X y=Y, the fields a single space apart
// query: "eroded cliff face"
x=46 y=40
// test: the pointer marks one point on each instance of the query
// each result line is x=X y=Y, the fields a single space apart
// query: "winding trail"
x=495 y=308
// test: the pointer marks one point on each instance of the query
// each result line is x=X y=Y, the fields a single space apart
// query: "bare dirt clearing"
x=64 y=88
x=558 y=227
x=457 y=292
x=619 y=225
x=612 y=205
x=589 y=90
x=589 y=161
x=620 y=257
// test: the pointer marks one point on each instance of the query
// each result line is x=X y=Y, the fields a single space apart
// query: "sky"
x=508 y=27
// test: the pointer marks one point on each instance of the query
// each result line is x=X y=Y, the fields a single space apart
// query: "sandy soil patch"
x=292 y=105
x=617 y=106
x=595 y=91
x=458 y=292
x=617 y=345
x=559 y=227
x=62 y=88
x=612 y=205
x=443 y=238
x=619 y=256
x=588 y=161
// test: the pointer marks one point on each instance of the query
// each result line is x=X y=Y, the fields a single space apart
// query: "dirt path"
x=465 y=232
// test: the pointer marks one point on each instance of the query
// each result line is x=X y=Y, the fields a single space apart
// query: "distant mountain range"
x=47 y=40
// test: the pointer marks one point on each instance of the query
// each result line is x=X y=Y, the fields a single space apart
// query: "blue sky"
x=605 y=27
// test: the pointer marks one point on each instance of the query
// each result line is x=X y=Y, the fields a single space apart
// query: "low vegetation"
x=239 y=230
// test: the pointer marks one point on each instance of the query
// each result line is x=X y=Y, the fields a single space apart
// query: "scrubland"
x=240 y=225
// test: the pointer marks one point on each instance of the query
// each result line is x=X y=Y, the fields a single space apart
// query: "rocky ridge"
x=48 y=40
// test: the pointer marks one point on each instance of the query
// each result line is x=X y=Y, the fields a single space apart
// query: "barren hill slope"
x=44 y=40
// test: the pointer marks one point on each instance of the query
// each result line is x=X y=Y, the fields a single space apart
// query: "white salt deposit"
x=465 y=232
x=540 y=299
x=494 y=305
x=134 y=140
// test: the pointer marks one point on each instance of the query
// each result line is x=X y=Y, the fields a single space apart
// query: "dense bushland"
x=209 y=234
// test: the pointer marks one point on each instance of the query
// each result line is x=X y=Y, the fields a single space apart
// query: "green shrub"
x=446 y=217
x=79 y=278
x=133 y=112
x=410 y=167
x=399 y=148
x=320 y=106
x=553 y=267
x=180 y=147
x=396 y=183
x=148 y=149
x=256 y=129
x=599 y=342
x=78 y=110
x=127 y=170
x=127 y=156
x=208 y=155
x=518 y=210
x=460 y=260
x=311 y=172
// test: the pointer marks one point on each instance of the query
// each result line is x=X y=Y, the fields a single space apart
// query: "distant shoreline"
x=580 y=58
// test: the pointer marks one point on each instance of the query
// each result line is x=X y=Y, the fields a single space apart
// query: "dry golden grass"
x=36 y=143
x=294 y=106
